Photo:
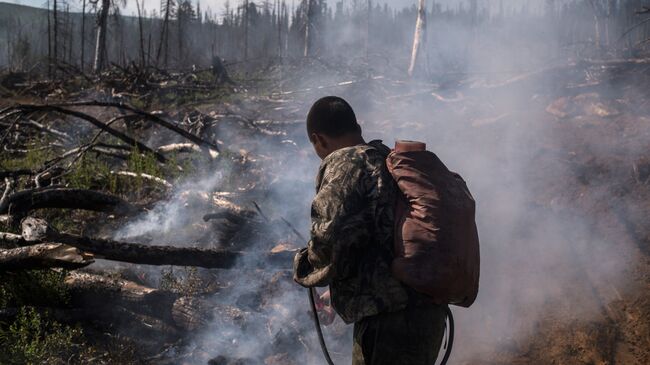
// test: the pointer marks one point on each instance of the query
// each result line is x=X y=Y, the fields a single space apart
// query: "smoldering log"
x=37 y=230
x=44 y=255
x=21 y=203
x=88 y=289
x=184 y=313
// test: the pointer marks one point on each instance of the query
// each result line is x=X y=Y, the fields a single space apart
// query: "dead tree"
x=418 y=37
x=151 y=117
x=21 y=203
x=55 y=31
x=100 y=45
x=45 y=255
x=184 y=16
x=21 y=109
x=245 y=29
x=142 y=59
x=308 y=20
x=49 y=42
x=83 y=35
x=167 y=7
x=37 y=231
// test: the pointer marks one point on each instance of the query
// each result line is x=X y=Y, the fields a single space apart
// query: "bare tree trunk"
x=100 y=46
x=83 y=35
x=70 y=32
x=56 y=31
x=164 y=32
x=420 y=28
x=179 y=25
x=245 y=29
x=279 y=24
x=307 y=51
x=142 y=61
x=49 y=42
x=368 y=13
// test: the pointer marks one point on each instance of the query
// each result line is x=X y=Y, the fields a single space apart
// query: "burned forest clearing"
x=153 y=195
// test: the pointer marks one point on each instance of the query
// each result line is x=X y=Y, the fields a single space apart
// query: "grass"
x=34 y=339
x=33 y=287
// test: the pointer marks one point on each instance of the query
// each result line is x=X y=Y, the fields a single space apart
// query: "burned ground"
x=557 y=160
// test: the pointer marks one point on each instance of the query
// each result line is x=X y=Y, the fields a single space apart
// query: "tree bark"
x=45 y=255
x=420 y=29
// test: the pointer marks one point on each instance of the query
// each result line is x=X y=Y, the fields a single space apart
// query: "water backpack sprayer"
x=436 y=241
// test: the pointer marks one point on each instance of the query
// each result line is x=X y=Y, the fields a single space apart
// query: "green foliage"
x=142 y=163
x=34 y=287
x=92 y=173
x=33 y=339
x=34 y=159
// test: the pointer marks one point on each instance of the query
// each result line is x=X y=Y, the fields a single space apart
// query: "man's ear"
x=318 y=139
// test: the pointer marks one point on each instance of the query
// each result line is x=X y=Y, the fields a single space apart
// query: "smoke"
x=539 y=250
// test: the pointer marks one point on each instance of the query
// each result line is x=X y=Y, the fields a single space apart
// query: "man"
x=351 y=246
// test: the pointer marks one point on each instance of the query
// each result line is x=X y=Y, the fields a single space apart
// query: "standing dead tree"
x=83 y=35
x=308 y=20
x=418 y=37
x=167 y=6
x=100 y=45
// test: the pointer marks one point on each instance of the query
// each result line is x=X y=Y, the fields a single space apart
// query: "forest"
x=156 y=176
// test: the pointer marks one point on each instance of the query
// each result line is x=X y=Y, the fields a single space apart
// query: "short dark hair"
x=333 y=117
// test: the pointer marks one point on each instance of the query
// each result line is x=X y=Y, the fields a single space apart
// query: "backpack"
x=436 y=241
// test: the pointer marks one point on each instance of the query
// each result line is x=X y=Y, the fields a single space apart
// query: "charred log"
x=19 y=204
x=45 y=255
x=37 y=230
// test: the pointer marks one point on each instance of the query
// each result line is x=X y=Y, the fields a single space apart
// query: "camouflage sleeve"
x=339 y=225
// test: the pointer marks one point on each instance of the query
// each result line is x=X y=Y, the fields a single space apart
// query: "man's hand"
x=326 y=312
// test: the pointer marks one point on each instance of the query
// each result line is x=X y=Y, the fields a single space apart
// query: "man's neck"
x=349 y=141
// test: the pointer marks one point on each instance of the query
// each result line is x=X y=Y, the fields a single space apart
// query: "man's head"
x=331 y=124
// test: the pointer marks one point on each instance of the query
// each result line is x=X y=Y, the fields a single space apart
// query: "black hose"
x=314 y=313
x=450 y=340
x=323 y=346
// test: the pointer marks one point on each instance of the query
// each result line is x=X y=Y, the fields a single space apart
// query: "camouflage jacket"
x=351 y=246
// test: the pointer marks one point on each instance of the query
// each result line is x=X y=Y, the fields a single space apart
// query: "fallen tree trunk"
x=93 y=290
x=184 y=313
x=45 y=255
x=37 y=230
x=19 y=204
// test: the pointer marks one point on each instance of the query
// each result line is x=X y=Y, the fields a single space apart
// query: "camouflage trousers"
x=412 y=336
